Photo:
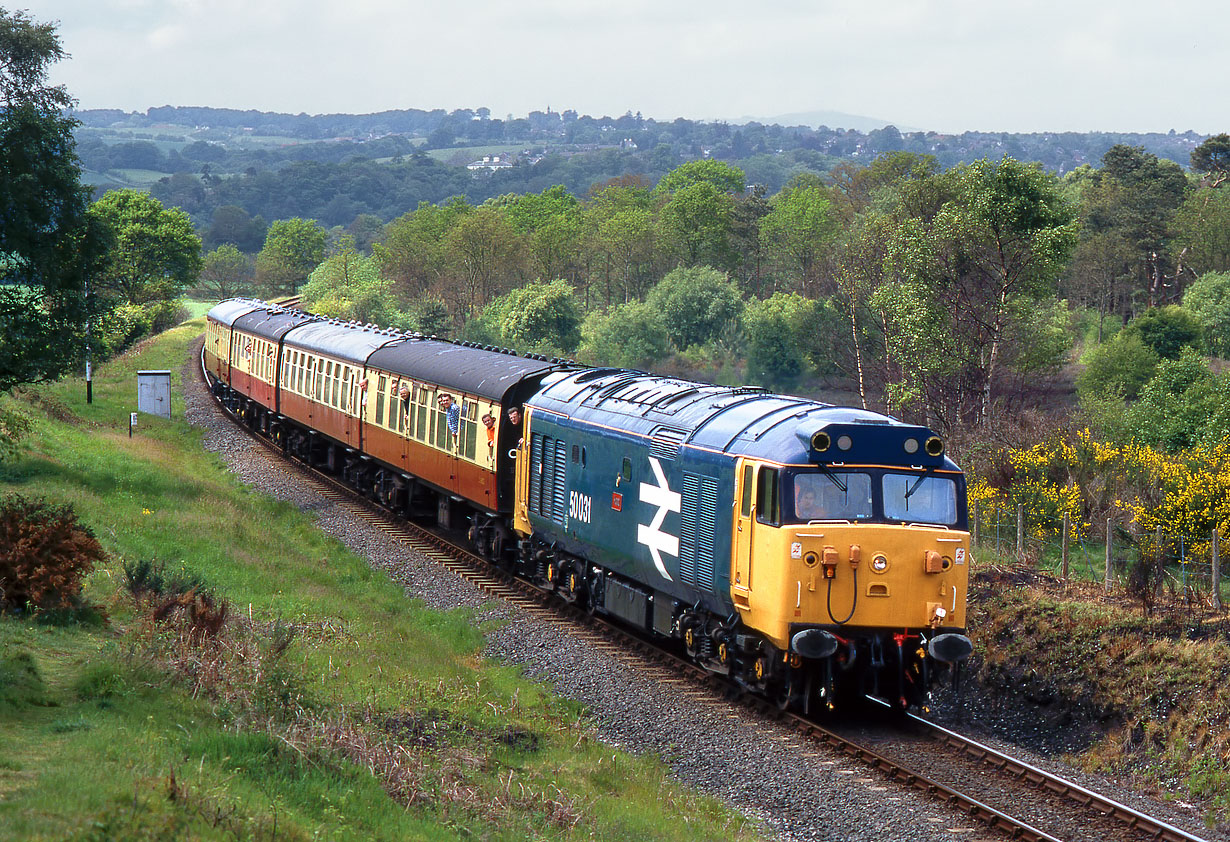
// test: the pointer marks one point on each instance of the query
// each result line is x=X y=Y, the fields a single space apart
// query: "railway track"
x=1105 y=818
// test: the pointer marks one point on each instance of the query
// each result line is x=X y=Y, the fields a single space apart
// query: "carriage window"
x=423 y=413
x=469 y=428
x=381 y=384
x=767 y=509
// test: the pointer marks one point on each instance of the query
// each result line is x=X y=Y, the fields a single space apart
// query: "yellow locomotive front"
x=854 y=570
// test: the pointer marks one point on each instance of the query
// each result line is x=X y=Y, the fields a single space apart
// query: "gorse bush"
x=1185 y=493
x=44 y=554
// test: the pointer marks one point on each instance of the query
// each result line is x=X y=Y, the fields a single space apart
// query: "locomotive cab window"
x=830 y=495
x=768 y=509
x=918 y=498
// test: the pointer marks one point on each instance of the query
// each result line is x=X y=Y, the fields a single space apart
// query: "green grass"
x=116 y=729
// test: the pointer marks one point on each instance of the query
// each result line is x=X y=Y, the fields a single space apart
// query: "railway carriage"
x=805 y=550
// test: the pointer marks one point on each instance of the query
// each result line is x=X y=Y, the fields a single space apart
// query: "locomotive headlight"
x=879 y=563
x=911 y=446
x=820 y=441
x=934 y=446
x=844 y=443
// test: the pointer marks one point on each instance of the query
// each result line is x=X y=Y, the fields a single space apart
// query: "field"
x=325 y=705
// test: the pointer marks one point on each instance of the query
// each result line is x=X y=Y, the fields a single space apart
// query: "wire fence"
x=1149 y=567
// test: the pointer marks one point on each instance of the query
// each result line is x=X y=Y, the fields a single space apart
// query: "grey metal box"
x=154 y=393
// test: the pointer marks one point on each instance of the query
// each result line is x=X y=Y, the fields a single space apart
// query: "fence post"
x=1064 y=545
x=977 y=530
x=1216 y=576
x=1109 y=554
x=1020 y=530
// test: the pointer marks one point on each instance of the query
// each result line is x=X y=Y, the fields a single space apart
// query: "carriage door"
x=745 y=519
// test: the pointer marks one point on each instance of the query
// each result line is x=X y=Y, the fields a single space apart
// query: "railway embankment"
x=1069 y=672
x=230 y=671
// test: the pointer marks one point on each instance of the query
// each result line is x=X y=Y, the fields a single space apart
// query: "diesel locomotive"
x=812 y=553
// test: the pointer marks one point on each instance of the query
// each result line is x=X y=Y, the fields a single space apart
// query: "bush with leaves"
x=1208 y=299
x=45 y=552
x=1120 y=367
x=1182 y=405
x=13 y=428
x=695 y=304
x=1167 y=330
x=627 y=335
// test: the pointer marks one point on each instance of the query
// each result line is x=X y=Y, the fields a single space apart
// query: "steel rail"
x=1061 y=786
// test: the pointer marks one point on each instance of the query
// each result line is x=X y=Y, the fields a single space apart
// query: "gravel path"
x=798 y=790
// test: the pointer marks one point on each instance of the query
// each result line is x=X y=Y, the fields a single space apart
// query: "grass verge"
x=322 y=704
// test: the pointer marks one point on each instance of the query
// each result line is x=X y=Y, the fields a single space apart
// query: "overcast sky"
x=943 y=65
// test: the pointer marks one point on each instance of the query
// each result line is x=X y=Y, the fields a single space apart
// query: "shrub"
x=44 y=554
x=1121 y=366
x=1208 y=298
x=1167 y=330
x=13 y=428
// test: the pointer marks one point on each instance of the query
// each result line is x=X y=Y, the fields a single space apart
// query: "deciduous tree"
x=293 y=248
x=50 y=246
x=155 y=253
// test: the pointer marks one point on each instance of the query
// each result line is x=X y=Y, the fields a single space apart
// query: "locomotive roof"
x=747 y=421
x=227 y=311
x=476 y=371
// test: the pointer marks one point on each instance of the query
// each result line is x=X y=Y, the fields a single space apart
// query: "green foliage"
x=695 y=304
x=50 y=246
x=967 y=253
x=14 y=426
x=412 y=255
x=540 y=318
x=1212 y=155
x=1208 y=299
x=429 y=316
x=155 y=254
x=21 y=683
x=1182 y=405
x=1167 y=330
x=628 y=335
x=787 y=337
x=348 y=286
x=798 y=230
x=721 y=176
x=225 y=273
x=1118 y=367
x=697 y=223
x=541 y=315
x=293 y=248
x=126 y=324
x=45 y=551
x=1202 y=230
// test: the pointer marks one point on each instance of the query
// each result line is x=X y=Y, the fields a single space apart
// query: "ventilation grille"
x=698 y=522
x=665 y=441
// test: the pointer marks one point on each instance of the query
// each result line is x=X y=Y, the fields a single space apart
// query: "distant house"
x=490 y=162
x=628 y=143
